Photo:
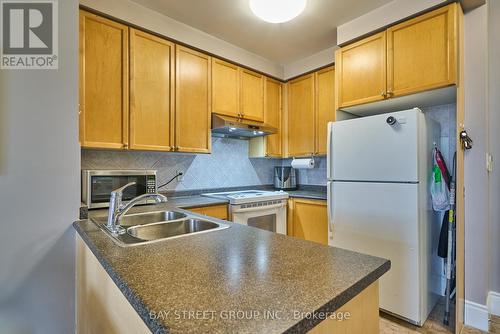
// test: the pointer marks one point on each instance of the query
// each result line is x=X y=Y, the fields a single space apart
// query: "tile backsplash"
x=227 y=166
x=230 y=166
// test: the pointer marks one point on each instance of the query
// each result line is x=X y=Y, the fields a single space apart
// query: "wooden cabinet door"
x=422 y=52
x=252 y=95
x=307 y=219
x=361 y=71
x=325 y=106
x=225 y=88
x=301 y=118
x=151 y=92
x=103 y=82
x=273 y=116
x=192 y=103
x=216 y=211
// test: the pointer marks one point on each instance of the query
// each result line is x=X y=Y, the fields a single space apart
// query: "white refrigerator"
x=378 y=171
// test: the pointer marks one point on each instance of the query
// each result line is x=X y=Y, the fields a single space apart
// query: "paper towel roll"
x=303 y=163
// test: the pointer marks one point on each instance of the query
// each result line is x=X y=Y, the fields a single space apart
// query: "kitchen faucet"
x=117 y=209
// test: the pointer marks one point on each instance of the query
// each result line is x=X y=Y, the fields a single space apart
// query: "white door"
x=371 y=149
x=382 y=220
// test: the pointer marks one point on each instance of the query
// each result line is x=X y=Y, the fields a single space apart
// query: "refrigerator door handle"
x=329 y=188
x=329 y=173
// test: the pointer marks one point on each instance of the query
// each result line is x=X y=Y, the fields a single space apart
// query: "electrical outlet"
x=180 y=178
x=489 y=162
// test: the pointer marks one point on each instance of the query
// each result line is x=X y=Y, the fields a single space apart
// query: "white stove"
x=249 y=196
x=257 y=208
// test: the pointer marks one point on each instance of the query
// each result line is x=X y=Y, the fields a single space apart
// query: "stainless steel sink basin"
x=171 y=229
x=145 y=218
x=156 y=226
x=151 y=217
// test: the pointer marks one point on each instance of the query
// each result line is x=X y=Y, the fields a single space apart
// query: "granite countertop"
x=309 y=194
x=240 y=269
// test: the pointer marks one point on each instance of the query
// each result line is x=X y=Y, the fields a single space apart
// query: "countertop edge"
x=333 y=305
x=136 y=303
x=301 y=326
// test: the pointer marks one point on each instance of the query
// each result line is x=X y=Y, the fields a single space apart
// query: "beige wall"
x=310 y=63
x=476 y=176
x=39 y=189
x=494 y=140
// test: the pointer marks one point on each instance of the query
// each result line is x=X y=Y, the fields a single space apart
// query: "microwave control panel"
x=150 y=184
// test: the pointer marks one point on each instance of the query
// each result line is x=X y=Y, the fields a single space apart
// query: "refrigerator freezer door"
x=373 y=149
x=381 y=219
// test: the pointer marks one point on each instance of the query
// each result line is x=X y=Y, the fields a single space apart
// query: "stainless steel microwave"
x=97 y=185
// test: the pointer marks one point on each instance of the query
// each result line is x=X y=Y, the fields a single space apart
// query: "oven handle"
x=257 y=208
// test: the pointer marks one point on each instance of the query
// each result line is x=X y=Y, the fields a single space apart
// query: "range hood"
x=232 y=127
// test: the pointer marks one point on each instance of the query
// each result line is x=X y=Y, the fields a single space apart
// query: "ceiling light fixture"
x=277 y=11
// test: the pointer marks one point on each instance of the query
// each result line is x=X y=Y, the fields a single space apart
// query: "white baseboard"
x=476 y=315
x=494 y=303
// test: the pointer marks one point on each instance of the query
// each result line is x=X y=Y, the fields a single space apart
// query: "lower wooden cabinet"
x=307 y=219
x=216 y=211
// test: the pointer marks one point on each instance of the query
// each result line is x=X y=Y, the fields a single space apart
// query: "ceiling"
x=231 y=20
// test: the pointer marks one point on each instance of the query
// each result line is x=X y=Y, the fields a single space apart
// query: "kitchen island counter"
x=277 y=281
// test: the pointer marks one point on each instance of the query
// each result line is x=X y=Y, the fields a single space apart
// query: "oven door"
x=270 y=217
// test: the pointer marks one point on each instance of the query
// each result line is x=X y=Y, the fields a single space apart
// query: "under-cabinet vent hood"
x=232 y=127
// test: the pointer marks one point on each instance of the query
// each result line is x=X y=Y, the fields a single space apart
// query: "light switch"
x=489 y=162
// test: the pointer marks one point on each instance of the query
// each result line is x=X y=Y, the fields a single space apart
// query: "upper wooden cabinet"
x=410 y=57
x=103 y=82
x=301 y=116
x=225 y=88
x=311 y=105
x=192 y=103
x=308 y=220
x=237 y=92
x=151 y=92
x=421 y=53
x=361 y=71
x=272 y=145
x=325 y=106
x=273 y=117
x=169 y=89
x=252 y=95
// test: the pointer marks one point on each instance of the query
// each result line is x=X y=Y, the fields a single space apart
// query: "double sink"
x=151 y=227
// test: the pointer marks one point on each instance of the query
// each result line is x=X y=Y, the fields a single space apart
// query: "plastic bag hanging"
x=439 y=189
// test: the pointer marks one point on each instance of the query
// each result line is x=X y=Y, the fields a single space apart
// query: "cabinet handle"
x=390 y=93
x=383 y=94
x=125 y=146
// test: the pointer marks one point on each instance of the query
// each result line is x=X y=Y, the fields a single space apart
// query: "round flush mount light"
x=277 y=11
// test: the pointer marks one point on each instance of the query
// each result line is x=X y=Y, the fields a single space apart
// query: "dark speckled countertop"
x=239 y=269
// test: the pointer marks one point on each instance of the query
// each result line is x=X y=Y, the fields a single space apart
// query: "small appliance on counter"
x=285 y=178
x=97 y=185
